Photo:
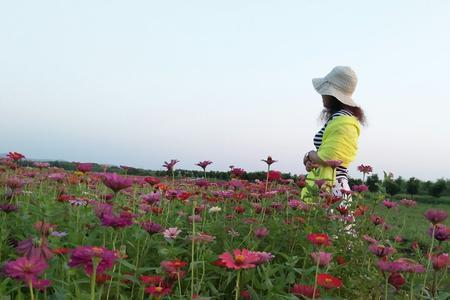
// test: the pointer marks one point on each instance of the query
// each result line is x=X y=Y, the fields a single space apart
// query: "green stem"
x=193 y=249
x=315 y=278
x=429 y=257
x=386 y=287
x=30 y=286
x=411 y=289
x=237 y=285
x=95 y=262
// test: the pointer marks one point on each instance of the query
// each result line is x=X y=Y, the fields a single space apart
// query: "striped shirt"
x=341 y=172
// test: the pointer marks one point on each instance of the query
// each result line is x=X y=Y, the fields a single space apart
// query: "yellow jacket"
x=340 y=142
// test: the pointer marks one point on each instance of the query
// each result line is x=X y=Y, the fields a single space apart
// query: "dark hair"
x=333 y=105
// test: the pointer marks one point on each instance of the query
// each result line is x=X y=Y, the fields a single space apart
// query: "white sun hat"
x=340 y=83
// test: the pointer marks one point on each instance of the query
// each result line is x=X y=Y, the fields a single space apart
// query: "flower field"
x=101 y=235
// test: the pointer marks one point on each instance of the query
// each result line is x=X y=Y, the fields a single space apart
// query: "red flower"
x=397 y=280
x=15 y=156
x=328 y=281
x=152 y=180
x=239 y=209
x=204 y=164
x=274 y=175
x=84 y=167
x=240 y=259
x=158 y=291
x=151 y=280
x=319 y=239
x=361 y=210
x=61 y=251
x=116 y=182
x=305 y=290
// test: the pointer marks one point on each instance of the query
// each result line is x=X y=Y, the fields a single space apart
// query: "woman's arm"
x=314 y=158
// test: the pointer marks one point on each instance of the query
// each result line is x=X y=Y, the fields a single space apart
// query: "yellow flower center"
x=239 y=259
x=158 y=289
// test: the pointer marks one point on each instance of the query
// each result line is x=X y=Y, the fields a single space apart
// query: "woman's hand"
x=309 y=165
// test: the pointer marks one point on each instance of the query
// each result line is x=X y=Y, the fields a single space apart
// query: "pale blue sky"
x=140 y=82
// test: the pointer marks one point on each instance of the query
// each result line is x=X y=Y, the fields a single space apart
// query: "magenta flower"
x=321 y=258
x=380 y=250
x=441 y=232
x=84 y=256
x=411 y=266
x=59 y=177
x=41 y=284
x=389 y=204
x=84 y=167
x=26 y=268
x=435 y=215
x=116 y=182
x=124 y=219
x=29 y=249
x=376 y=220
x=204 y=164
x=269 y=160
x=261 y=232
x=195 y=218
x=392 y=266
x=152 y=198
x=151 y=227
x=169 y=165
x=8 y=208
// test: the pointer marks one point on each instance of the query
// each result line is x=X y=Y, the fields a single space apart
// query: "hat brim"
x=323 y=87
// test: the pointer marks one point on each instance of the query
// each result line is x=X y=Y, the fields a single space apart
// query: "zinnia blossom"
x=116 y=182
x=158 y=291
x=84 y=255
x=240 y=259
x=441 y=232
x=319 y=239
x=26 y=268
x=365 y=169
x=440 y=261
x=269 y=160
x=151 y=227
x=204 y=164
x=84 y=167
x=169 y=165
x=15 y=156
x=171 y=233
x=397 y=280
x=381 y=250
x=305 y=290
x=321 y=258
x=328 y=281
x=436 y=215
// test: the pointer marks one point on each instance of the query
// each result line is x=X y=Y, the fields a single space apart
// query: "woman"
x=338 y=138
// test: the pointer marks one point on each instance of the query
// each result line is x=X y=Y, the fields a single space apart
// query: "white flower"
x=215 y=209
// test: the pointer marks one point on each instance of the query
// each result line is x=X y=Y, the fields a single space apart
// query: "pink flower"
x=440 y=261
x=117 y=221
x=84 y=256
x=365 y=169
x=263 y=257
x=171 y=233
x=333 y=163
x=152 y=198
x=116 y=182
x=240 y=259
x=435 y=215
x=322 y=258
x=376 y=220
x=15 y=183
x=380 y=250
x=397 y=280
x=360 y=188
x=26 y=269
x=237 y=172
x=41 y=284
x=408 y=203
